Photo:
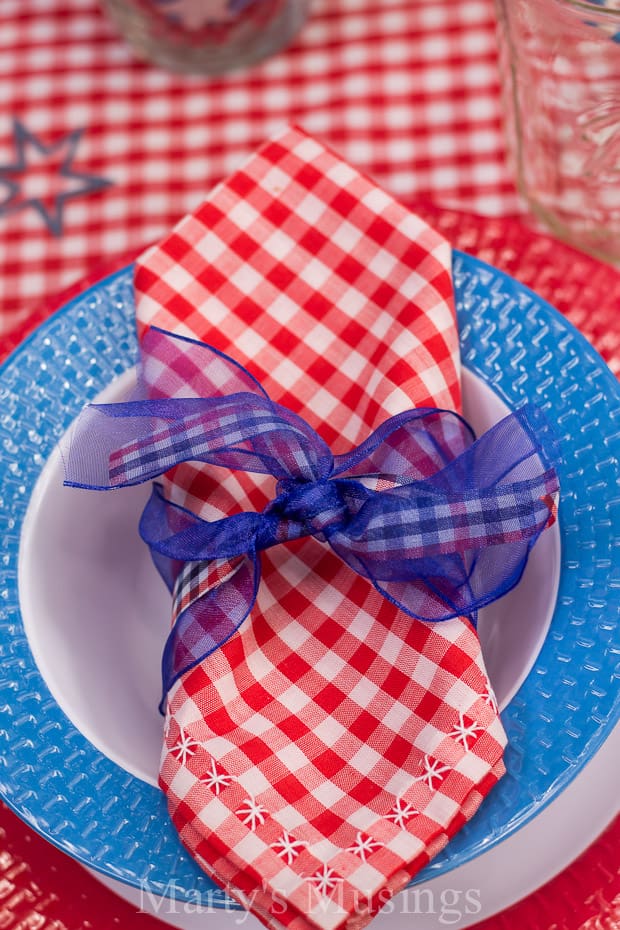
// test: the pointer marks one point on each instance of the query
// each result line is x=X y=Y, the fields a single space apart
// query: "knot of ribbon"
x=441 y=523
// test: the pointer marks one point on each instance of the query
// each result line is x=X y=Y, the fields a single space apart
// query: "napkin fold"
x=332 y=745
x=324 y=754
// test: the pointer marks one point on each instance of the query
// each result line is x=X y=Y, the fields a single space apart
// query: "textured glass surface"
x=560 y=65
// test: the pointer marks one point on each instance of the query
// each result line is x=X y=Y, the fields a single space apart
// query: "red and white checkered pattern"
x=331 y=747
x=407 y=91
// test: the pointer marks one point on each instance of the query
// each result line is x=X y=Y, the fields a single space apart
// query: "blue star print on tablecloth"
x=28 y=150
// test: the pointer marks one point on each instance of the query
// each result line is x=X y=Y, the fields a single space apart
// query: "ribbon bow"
x=439 y=522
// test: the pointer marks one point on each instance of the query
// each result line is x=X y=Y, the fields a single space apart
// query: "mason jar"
x=560 y=63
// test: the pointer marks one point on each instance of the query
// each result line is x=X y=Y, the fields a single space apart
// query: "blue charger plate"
x=113 y=822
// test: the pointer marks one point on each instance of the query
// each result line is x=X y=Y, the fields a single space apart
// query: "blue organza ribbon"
x=439 y=522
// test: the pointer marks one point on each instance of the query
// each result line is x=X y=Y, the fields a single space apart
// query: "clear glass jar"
x=560 y=62
x=207 y=36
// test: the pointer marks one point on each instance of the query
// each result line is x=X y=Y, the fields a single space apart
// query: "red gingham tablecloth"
x=407 y=92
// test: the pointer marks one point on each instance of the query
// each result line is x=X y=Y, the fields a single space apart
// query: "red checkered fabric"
x=332 y=746
x=407 y=91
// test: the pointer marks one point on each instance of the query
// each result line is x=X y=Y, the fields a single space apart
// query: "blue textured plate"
x=91 y=808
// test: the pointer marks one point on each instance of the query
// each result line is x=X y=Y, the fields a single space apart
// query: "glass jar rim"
x=594 y=8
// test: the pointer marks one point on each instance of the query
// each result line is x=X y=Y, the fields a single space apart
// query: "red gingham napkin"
x=331 y=746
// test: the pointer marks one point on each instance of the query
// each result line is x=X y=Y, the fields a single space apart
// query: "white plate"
x=88 y=588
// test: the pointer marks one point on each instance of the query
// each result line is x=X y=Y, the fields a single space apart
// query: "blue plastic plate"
x=84 y=803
